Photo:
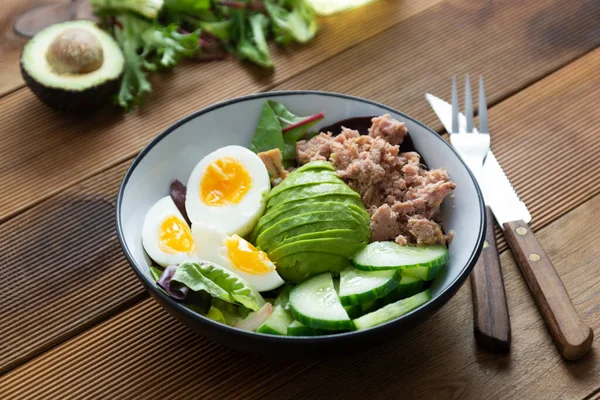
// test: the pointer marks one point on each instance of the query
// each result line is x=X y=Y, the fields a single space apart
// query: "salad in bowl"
x=316 y=227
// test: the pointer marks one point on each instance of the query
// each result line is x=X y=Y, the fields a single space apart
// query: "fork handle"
x=491 y=323
x=570 y=333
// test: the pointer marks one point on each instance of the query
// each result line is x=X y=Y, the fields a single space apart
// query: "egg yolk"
x=248 y=258
x=225 y=181
x=175 y=236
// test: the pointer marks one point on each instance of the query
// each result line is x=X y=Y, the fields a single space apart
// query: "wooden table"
x=76 y=323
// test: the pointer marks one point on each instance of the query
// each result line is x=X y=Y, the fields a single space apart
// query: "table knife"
x=572 y=336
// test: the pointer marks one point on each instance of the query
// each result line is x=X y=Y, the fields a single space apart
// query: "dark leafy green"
x=275 y=119
x=251 y=37
x=267 y=135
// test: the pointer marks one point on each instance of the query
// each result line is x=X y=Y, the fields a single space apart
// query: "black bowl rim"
x=432 y=305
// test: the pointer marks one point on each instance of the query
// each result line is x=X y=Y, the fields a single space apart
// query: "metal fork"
x=490 y=310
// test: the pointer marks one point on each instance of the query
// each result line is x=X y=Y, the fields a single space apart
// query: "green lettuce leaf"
x=250 y=36
x=146 y=8
x=192 y=7
x=165 y=46
x=219 y=282
x=267 y=135
x=155 y=273
x=290 y=137
x=292 y=20
x=216 y=315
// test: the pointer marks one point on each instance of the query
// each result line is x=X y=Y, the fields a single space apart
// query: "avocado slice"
x=315 y=165
x=72 y=66
x=297 y=267
x=311 y=222
x=281 y=213
x=337 y=246
x=348 y=234
x=310 y=191
x=306 y=178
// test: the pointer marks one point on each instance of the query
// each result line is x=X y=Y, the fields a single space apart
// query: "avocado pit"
x=75 y=51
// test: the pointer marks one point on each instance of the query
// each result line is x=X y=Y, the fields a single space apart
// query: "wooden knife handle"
x=571 y=335
x=490 y=311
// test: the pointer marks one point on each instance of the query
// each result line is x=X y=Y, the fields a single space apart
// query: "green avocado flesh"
x=71 y=91
x=280 y=214
x=314 y=222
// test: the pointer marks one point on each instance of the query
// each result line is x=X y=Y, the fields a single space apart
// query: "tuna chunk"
x=389 y=129
x=317 y=148
x=274 y=163
x=384 y=224
x=425 y=231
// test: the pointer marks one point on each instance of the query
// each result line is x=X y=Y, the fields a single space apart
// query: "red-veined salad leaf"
x=279 y=128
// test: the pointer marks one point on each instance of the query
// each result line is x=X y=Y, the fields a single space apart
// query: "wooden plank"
x=143 y=353
x=62 y=269
x=33 y=136
x=538 y=106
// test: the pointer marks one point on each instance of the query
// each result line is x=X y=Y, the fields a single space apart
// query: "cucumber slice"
x=283 y=298
x=299 y=329
x=408 y=286
x=315 y=303
x=390 y=255
x=423 y=273
x=392 y=311
x=354 y=311
x=358 y=287
x=277 y=322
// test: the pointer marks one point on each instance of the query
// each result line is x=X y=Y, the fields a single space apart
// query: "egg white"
x=236 y=218
x=211 y=245
x=151 y=233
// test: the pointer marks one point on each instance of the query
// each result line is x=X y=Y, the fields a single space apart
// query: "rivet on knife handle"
x=570 y=333
x=490 y=311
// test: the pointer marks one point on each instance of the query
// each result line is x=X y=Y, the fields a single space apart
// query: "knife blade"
x=570 y=333
x=500 y=196
x=491 y=320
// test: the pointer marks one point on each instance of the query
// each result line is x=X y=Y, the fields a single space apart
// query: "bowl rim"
x=433 y=304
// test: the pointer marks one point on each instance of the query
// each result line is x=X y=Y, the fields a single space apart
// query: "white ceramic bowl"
x=174 y=153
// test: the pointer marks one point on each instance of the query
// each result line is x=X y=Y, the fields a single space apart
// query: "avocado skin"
x=73 y=100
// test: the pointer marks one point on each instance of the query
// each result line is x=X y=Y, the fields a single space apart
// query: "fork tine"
x=468 y=105
x=454 y=106
x=483 y=118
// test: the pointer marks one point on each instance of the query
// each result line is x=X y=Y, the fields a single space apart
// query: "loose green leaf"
x=165 y=46
x=286 y=118
x=145 y=8
x=192 y=7
x=251 y=38
x=219 y=282
x=155 y=273
x=267 y=135
x=191 y=275
x=216 y=315
x=292 y=19
x=219 y=29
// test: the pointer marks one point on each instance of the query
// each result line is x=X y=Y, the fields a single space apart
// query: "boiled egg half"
x=227 y=189
x=166 y=236
x=237 y=255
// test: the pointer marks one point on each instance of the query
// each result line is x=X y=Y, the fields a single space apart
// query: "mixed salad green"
x=302 y=264
x=157 y=34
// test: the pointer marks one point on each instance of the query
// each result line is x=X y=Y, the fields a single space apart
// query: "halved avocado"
x=297 y=267
x=73 y=66
x=310 y=191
